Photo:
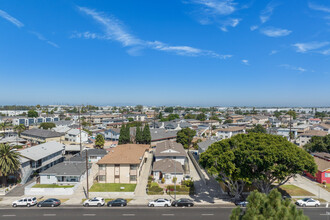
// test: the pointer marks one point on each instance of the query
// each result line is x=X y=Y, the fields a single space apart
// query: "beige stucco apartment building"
x=123 y=164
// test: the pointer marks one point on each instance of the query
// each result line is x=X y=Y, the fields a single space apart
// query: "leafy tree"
x=146 y=136
x=185 y=137
x=138 y=135
x=201 y=117
x=3 y=126
x=47 y=125
x=257 y=129
x=320 y=115
x=292 y=113
x=189 y=116
x=264 y=160
x=139 y=108
x=214 y=117
x=130 y=119
x=228 y=121
x=277 y=114
x=32 y=114
x=318 y=144
x=19 y=128
x=124 y=137
x=9 y=161
x=160 y=115
x=170 y=117
x=271 y=206
x=38 y=106
x=169 y=110
x=99 y=141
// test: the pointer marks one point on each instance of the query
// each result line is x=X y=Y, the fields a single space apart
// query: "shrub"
x=163 y=180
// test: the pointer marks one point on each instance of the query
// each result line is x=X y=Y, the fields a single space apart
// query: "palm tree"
x=3 y=126
x=9 y=161
x=19 y=128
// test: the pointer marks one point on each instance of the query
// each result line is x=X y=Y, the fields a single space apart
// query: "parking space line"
x=168 y=214
x=89 y=214
x=128 y=214
x=8 y=215
x=49 y=214
x=207 y=214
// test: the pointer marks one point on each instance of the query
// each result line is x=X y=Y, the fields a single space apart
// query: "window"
x=133 y=167
x=117 y=176
x=132 y=178
x=327 y=174
x=93 y=157
x=48 y=177
x=101 y=177
x=117 y=165
x=102 y=166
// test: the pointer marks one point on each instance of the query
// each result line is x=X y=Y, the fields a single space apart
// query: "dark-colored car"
x=242 y=203
x=49 y=203
x=117 y=202
x=183 y=202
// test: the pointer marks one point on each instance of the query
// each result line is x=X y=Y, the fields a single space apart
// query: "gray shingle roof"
x=167 y=166
x=205 y=144
x=160 y=134
x=91 y=152
x=42 y=150
x=66 y=169
x=169 y=149
x=41 y=133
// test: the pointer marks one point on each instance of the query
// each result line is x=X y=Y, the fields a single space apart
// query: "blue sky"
x=184 y=52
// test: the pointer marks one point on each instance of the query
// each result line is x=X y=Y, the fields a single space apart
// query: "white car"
x=308 y=202
x=96 y=201
x=29 y=201
x=160 y=203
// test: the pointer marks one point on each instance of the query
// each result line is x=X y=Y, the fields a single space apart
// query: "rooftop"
x=42 y=150
x=41 y=133
x=169 y=148
x=66 y=169
x=167 y=166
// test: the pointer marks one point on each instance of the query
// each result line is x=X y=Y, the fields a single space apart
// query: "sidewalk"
x=310 y=186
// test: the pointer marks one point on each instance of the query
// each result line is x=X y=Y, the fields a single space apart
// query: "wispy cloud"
x=11 y=19
x=325 y=52
x=310 y=46
x=42 y=38
x=273 y=52
x=232 y=22
x=114 y=30
x=290 y=67
x=246 y=62
x=318 y=7
x=254 y=27
x=221 y=7
x=275 y=32
x=267 y=12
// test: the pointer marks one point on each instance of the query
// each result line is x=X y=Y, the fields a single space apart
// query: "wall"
x=29 y=191
x=44 y=179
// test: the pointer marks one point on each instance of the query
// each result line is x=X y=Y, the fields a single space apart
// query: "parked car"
x=117 y=202
x=183 y=202
x=96 y=201
x=242 y=203
x=308 y=202
x=49 y=203
x=159 y=203
x=29 y=201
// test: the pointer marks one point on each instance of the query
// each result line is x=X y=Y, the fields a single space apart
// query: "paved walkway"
x=311 y=186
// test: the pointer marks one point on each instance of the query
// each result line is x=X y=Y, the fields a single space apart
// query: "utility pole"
x=87 y=189
x=80 y=130
x=175 y=180
x=290 y=128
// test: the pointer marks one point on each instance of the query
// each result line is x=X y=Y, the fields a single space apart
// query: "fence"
x=196 y=165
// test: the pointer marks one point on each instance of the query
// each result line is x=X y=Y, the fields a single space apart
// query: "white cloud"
x=233 y=22
x=11 y=19
x=267 y=12
x=221 y=7
x=254 y=27
x=306 y=47
x=42 y=38
x=290 y=67
x=318 y=7
x=326 y=52
x=273 y=52
x=114 y=30
x=246 y=62
x=275 y=32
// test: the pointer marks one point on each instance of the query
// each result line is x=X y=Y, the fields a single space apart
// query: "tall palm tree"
x=3 y=126
x=9 y=161
x=19 y=128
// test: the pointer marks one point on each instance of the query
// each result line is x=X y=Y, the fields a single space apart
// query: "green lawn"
x=112 y=187
x=291 y=190
x=51 y=186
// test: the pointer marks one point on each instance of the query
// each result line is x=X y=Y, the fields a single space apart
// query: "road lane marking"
x=128 y=214
x=89 y=214
x=49 y=214
x=8 y=215
x=207 y=214
x=167 y=214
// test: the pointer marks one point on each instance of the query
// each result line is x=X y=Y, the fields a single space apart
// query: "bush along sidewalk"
x=186 y=188
x=153 y=188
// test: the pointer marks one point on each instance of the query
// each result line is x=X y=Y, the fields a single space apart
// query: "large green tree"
x=47 y=125
x=264 y=160
x=138 y=135
x=257 y=129
x=292 y=113
x=32 y=113
x=169 y=109
x=146 y=136
x=124 y=137
x=318 y=144
x=9 y=161
x=99 y=141
x=201 y=117
x=271 y=206
x=185 y=137
x=19 y=128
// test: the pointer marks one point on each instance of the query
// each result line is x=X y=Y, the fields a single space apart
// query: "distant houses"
x=38 y=136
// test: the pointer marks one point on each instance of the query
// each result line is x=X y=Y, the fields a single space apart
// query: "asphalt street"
x=144 y=213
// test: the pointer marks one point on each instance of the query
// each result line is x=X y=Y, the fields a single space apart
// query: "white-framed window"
x=132 y=178
x=101 y=177
x=102 y=166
